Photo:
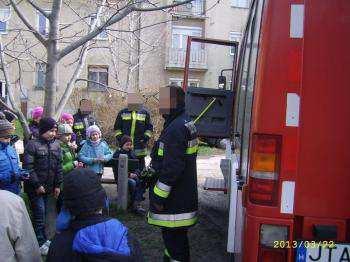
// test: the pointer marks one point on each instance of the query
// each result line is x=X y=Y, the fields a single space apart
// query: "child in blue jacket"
x=10 y=173
x=95 y=152
x=90 y=235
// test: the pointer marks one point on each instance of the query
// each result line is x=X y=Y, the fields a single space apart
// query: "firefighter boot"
x=138 y=209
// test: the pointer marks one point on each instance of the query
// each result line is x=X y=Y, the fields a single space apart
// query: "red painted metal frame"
x=191 y=39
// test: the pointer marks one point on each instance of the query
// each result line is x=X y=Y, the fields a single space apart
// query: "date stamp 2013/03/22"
x=306 y=244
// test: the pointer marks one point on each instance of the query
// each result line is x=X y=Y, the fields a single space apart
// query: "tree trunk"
x=52 y=61
x=83 y=54
x=51 y=80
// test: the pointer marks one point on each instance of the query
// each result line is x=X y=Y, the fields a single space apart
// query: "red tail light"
x=264 y=169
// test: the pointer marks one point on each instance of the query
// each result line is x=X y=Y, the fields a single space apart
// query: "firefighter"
x=174 y=196
x=82 y=120
x=134 y=121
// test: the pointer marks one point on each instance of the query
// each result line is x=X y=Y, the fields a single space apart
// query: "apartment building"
x=223 y=20
x=152 y=56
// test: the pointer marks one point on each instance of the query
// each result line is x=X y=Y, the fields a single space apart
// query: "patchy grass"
x=205 y=150
x=209 y=151
x=150 y=237
x=207 y=240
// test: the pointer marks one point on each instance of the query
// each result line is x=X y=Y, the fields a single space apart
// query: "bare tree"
x=129 y=50
x=54 y=52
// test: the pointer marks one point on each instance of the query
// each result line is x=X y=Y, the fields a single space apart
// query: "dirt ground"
x=207 y=239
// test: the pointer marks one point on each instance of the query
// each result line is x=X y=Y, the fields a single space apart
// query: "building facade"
x=144 y=51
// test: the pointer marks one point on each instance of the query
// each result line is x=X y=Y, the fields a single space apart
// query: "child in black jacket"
x=136 y=186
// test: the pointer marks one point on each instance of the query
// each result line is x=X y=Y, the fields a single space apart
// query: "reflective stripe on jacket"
x=137 y=125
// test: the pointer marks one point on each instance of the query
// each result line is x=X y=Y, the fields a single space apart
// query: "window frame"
x=245 y=84
x=47 y=23
x=97 y=87
x=7 y=21
x=104 y=31
x=183 y=43
x=179 y=81
x=234 y=4
x=36 y=79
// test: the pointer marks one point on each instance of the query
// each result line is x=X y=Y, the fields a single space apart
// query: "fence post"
x=122 y=202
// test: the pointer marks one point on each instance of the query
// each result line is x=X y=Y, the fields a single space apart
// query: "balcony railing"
x=177 y=56
x=195 y=8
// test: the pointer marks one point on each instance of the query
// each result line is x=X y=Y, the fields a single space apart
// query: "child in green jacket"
x=69 y=157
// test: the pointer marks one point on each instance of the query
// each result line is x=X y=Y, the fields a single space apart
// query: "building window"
x=5 y=14
x=40 y=73
x=98 y=75
x=240 y=3
x=179 y=36
x=103 y=35
x=196 y=7
x=178 y=82
x=236 y=37
x=43 y=24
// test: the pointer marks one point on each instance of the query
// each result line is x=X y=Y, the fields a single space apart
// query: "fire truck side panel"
x=322 y=188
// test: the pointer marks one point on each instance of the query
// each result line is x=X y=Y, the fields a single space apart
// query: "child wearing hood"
x=95 y=152
x=37 y=114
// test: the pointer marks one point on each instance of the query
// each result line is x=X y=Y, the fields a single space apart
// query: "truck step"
x=215 y=184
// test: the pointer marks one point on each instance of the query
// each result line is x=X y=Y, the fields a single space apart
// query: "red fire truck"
x=289 y=184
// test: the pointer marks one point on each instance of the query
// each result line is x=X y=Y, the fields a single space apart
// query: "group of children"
x=49 y=156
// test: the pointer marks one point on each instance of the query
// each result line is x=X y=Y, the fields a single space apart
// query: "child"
x=90 y=236
x=69 y=161
x=136 y=186
x=95 y=152
x=67 y=118
x=10 y=174
x=37 y=114
x=42 y=156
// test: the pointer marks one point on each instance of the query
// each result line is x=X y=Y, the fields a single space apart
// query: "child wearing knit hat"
x=69 y=157
x=37 y=114
x=42 y=156
x=95 y=152
x=67 y=118
x=10 y=174
x=136 y=186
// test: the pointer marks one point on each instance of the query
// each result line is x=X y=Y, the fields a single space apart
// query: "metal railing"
x=195 y=8
x=177 y=57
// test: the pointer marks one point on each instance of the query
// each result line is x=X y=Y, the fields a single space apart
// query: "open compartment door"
x=210 y=102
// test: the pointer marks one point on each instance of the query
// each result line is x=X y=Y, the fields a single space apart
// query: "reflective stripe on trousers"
x=172 y=220
x=166 y=252
x=161 y=189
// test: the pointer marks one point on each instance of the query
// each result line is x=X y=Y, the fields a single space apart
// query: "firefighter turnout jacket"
x=137 y=125
x=81 y=123
x=174 y=160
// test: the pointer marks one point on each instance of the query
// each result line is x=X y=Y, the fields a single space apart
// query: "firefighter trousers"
x=176 y=243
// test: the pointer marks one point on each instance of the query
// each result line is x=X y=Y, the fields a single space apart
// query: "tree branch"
x=42 y=11
x=30 y=27
x=101 y=84
x=120 y=14
x=15 y=109
x=157 y=8
x=82 y=57
x=115 y=18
